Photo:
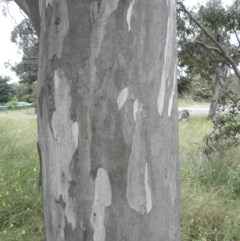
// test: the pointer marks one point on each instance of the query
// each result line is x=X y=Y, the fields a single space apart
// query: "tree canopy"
x=205 y=41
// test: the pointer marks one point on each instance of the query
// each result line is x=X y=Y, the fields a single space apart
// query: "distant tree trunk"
x=221 y=85
x=107 y=119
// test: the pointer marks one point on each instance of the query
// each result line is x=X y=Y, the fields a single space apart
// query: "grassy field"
x=190 y=102
x=20 y=201
x=210 y=195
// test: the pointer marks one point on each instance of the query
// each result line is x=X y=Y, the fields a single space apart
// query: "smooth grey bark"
x=107 y=120
x=223 y=79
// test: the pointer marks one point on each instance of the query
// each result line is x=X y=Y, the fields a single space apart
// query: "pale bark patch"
x=102 y=199
x=49 y=2
x=75 y=129
x=136 y=192
x=170 y=105
x=148 y=190
x=135 y=108
x=166 y=72
x=65 y=133
x=129 y=14
x=122 y=98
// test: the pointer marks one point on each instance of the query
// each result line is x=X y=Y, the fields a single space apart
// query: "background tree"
x=204 y=45
x=26 y=39
x=6 y=89
x=22 y=91
x=108 y=130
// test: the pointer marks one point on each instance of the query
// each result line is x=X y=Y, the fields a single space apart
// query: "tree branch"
x=219 y=48
x=209 y=47
x=234 y=24
x=235 y=32
x=200 y=26
x=31 y=9
x=23 y=5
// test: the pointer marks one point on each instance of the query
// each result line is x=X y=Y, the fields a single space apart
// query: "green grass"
x=20 y=201
x=190 y=102
x=210 y=194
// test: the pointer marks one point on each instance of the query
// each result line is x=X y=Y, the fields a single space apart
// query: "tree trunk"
x=221 y=85
x=107 y=120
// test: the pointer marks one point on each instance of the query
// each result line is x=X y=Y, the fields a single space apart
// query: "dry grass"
x=20 y=201
x=210 y=196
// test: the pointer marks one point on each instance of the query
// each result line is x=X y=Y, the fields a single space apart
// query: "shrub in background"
x=34 y=94
x=12 y=103
x=26 y=98
x=226 y=127
x=210 y=197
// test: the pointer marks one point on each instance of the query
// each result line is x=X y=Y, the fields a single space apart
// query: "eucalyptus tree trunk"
x=223 y=79
x=107 y=120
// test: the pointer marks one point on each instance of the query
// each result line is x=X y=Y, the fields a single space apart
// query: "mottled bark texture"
x=107 y=119
x=223 y=78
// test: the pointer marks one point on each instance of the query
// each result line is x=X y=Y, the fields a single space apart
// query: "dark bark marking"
x=85 y=235
x=99 y=5
x=61 y=202
x=40 y=164
x=69 y=234
x=40 y=102
x=57 y=21
x=73 y=108
x=74 y=169
x=71 y=190
x=50 y=94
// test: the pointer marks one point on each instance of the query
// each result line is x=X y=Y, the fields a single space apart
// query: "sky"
x=9 y=51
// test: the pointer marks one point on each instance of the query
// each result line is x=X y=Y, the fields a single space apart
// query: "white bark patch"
x=65 y=133
x=161 y=95
x=173 y=91
x=49 y=2
x=69 y=210
x=148 y=190
x=102 y=199
x=136 y=193
x=135 y=109
x=75 y=129
x=129 y=14
x=166 y=72
x=122 y=98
